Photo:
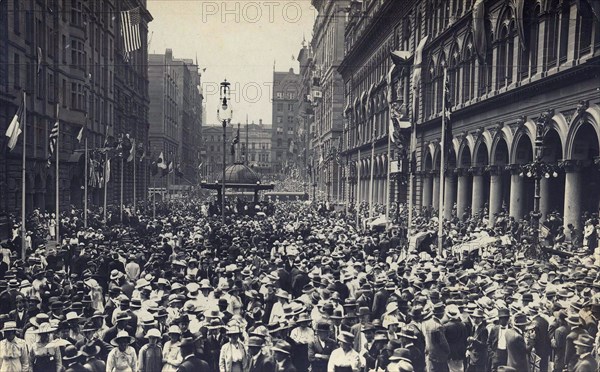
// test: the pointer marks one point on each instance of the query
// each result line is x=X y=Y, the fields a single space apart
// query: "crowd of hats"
x=192 y=270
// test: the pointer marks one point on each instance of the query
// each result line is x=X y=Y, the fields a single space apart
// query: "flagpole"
x=85 y=187
x=358 y=196
x=389 y=168
x=154 y=198
x=121 y=208
x=442 y=183
x=411 y=177
x=57 y=180
x=372 y=175
x=23 y=175
x=134 y=180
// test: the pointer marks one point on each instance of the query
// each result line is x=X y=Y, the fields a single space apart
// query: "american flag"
x=130 y=28
x=52 y=142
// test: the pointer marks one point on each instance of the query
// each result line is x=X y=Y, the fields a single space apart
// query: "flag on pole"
x=81 y=134
x=236 y=139
x=39 y=60
x=161 y=163
x=143 y=154
x=171 y=167
x=107 y=170
x=447 y=112
x=131 y=152
x=130 y=29
x=14 y=128
x=53 y=139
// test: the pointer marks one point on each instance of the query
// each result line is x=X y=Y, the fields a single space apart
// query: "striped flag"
x=130 y=29
x=14 y=129
x=52 y=141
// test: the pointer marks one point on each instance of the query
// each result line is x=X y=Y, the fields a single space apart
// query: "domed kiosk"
x=239 y=177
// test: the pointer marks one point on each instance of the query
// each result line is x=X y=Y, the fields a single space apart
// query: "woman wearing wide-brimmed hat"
x=233 y=356
x=13 y=350
x=123 y=357
x=172 y=352
x=45 y=357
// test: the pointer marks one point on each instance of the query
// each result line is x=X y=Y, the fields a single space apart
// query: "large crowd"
x=299 y=289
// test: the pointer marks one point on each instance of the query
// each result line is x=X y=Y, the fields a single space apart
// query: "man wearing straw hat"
x=13 y=350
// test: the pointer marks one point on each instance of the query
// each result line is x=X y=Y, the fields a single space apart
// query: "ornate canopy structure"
x=239 y=176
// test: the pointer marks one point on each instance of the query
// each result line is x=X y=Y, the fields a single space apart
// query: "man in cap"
x=584 y=344
x=191 y=363
x=497 y=341
x=259 y=361
x=477 y=343
x=456 y=334
x=436 y=344
x=321 y=347
x=577 y=330
x=282 y=351
x=516 y=346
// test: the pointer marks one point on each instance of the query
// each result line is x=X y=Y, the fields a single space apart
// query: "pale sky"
x=237 y=40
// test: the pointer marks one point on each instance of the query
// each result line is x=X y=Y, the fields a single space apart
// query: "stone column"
x=572 y=195
x=436 y=192
x=516 y=195
x=495 y=192
x=462 y=199
x=477 y=197
x=545 y=197
x=449 y=193
x=427 y=189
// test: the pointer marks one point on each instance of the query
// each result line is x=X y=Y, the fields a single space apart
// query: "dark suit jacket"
x=541 y=343
x=314 y=347
x=456 y=335
x=263 y=364
x=587 y=364
x=379 y=302
x=517 y=351
x=193 y=364
x=21 y=320
x=287 y=367
x=478 y=346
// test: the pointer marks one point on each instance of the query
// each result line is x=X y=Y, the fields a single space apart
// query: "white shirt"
x=339 y=358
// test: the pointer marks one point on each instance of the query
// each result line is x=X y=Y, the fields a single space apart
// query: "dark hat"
x=90 y=349
x=255 y=341
x=520 y=319
x=584 y=340
x=187 y=342
x=408 y=333
x=71 y=354
x=322 y=327
x=400 y=354
x=122 y=316
x=503 y=312
x=506 y=369
x=282 y=347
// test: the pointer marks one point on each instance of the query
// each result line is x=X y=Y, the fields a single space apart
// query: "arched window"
x=502 y=54
x=429 y=77
x=469 y=72
x=585 y=27
x=528 y=62
x=534 y=32
x=439 y=85
x=418 y=28
x=552 y=34
x=505 y=45
x=454 y=76
x=564 y=32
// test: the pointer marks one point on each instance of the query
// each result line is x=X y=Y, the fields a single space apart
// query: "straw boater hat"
x=10 y=326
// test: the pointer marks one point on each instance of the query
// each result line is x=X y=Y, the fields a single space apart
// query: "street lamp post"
x=537 y=169
x=224 y=114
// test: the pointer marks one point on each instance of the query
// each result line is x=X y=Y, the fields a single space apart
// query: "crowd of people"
x=300 y=289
